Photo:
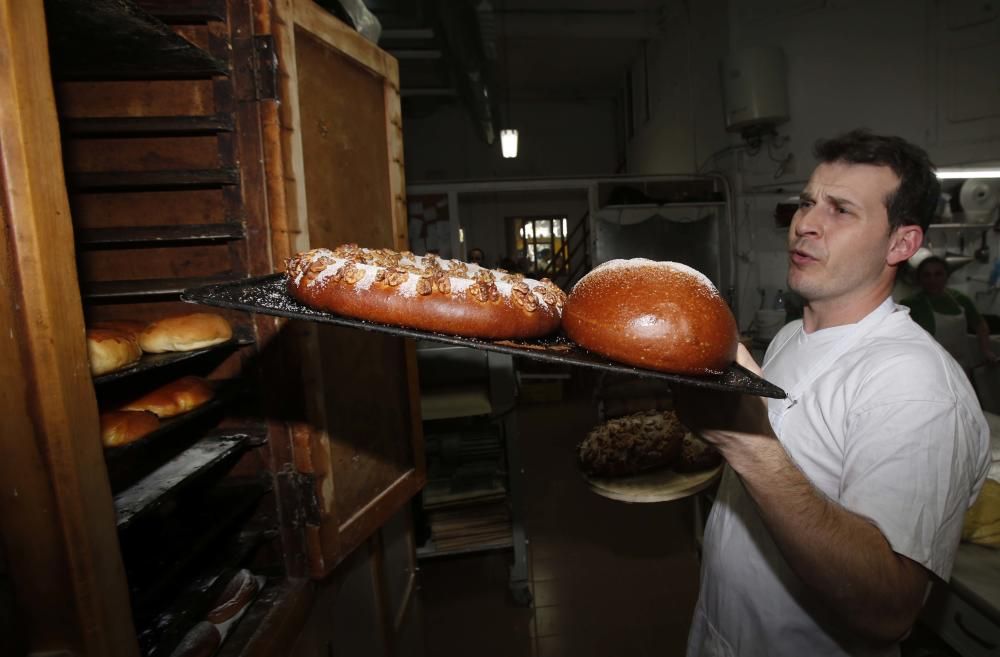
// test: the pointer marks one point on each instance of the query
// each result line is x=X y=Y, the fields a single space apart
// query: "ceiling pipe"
x=459 y=30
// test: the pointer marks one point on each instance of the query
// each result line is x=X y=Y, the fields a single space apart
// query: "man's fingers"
x=744 y=358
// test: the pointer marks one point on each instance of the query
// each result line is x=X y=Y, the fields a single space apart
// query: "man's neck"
x=823 y=314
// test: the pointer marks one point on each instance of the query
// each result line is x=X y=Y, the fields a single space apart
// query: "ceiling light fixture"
x=508 y=136
x=508 y=142
x=952 y=174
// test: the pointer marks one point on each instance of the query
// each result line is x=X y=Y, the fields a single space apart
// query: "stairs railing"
x=572 y=261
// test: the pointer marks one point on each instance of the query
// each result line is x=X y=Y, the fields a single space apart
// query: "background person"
x=840 y=503
x=948 y=314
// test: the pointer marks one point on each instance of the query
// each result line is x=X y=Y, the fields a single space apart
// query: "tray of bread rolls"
x=269 y=295
x=241 y=337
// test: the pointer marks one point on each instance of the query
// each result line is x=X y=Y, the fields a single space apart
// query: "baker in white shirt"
x=840 y=503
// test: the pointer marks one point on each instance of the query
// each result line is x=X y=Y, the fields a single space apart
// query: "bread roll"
x=110 y=350
x=239 y=592
x=658 y=315
x=123 y=427
x=202 y=641
x=185 y=333
x=131 y=327
x=424 y=292
x=180 y=396
x=631 y=444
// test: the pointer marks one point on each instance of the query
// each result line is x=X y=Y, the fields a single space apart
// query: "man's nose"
x=806 y=221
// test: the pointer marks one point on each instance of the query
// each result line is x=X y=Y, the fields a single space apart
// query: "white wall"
x=685 y=119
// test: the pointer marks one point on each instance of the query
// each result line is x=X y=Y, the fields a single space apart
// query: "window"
x=540 y=244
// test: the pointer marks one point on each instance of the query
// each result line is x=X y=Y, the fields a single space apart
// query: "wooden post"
x=56 y=514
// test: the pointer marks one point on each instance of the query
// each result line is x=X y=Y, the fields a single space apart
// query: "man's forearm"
x=841 y=557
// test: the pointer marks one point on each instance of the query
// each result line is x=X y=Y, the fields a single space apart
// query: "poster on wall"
x=429 y=225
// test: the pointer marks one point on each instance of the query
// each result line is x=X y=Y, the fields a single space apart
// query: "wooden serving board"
x=655 y=486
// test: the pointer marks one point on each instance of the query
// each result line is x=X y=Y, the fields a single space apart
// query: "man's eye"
x=840 y=210
x=805 y=204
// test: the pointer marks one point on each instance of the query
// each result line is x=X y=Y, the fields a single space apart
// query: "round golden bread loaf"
x=123 y=427
x=663 y=316
x=110 y=350
x=185 y=333
x=424 y=292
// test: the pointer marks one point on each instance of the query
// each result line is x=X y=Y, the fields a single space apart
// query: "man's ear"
x=903 y=243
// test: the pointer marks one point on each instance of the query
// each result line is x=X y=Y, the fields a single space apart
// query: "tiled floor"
x=608 y=578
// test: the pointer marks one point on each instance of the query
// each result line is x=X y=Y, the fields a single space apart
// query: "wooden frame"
x=311 y=43
x=57 y=519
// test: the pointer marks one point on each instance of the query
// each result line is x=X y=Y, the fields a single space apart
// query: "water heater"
x=754 y=90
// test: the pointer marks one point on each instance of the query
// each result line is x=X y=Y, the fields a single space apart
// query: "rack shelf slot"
x=146 y=126
x=176 y=475
x=156 y=236
x=185 y=11
x=160 y=287
x=116 y=40
x=103 y=181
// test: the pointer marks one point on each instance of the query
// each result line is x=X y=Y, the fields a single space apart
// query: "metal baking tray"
x=268 y=295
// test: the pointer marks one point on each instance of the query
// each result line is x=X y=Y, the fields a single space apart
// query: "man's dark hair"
x=915 y=200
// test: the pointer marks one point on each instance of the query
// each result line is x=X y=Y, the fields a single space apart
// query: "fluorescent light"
x=950 y=174
x=508 y=143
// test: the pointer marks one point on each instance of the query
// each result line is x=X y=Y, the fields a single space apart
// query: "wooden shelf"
x=175 y=584
x=159 y=287
x=107 y=181
x=161 y=631
x=430 y=551
x=116 y=40
x=134 y=126
x=273 y=622
x=157 y=236
x=130 y=463
x=209 y=454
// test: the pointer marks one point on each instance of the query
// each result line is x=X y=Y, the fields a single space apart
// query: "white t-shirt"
x=893 y=432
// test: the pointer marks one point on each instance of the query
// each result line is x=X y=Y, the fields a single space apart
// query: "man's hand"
x=731 y=421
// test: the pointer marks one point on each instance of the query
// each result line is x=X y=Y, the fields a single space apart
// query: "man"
x=840 y=502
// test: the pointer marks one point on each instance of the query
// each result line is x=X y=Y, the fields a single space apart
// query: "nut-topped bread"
x=424 y=292
x=631 y=444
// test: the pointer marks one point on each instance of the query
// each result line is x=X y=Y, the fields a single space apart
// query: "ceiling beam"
x=581 y=24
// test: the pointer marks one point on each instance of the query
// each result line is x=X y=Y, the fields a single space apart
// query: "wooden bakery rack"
x=152 y=146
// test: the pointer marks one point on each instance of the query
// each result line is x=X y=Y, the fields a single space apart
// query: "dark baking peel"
x=268 y=295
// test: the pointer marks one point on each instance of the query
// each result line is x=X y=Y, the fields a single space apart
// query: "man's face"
x=839 y=238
